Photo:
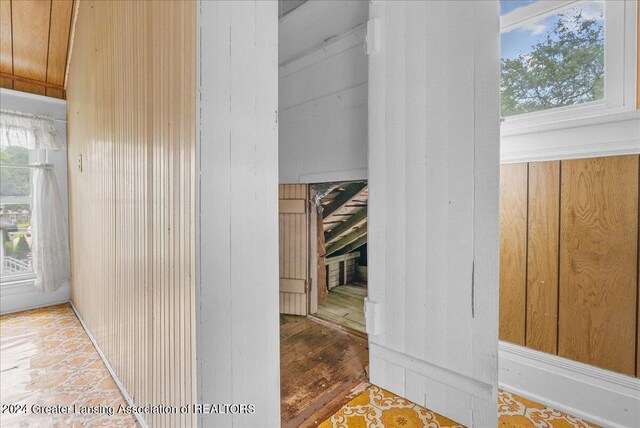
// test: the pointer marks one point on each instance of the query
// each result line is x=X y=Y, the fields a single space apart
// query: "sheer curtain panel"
x=50 y=239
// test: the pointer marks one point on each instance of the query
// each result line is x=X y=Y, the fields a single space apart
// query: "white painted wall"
x=22 y=295
x=323 y=103
x=237 y=313
x=433 y=205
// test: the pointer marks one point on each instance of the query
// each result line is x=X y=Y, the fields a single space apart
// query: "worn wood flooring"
x=345 y=306
x=321 y=366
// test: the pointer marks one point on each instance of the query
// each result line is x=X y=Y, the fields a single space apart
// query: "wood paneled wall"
x=543 y=222
x=513 y=254
x=580 y=282
x=131 y=115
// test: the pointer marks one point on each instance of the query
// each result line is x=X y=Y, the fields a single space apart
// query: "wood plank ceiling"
x=34 y=44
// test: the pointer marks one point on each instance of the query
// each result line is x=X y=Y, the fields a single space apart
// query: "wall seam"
x=557 y=350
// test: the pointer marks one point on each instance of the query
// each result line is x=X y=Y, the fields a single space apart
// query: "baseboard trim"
x=29 y=308
x=590 y=393
x=443 y=375
x=23 y=296
x=115 y=377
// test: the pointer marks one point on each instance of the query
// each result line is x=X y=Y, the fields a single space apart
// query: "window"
x=563 y=60
x=15 y=211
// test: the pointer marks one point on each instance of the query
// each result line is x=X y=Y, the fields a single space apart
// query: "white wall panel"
x=323 y=112
x=433 y=206
x=237 y=321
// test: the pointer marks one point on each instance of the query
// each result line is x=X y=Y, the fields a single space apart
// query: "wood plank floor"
x=321 y=366
x=345 y=306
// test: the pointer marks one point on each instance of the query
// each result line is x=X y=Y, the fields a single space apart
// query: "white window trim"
x=620 y=65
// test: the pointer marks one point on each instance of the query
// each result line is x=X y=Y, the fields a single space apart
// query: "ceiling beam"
x=355 y=244
x=355 y=220
x=350 y=192
x=347 y=239
x=31 y=81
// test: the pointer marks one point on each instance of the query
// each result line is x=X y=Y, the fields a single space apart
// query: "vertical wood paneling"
x=294 y=248
x=131 y=109
x=513 y=252
x=594 y=271
x=58 y=44
x=6 y=43
x=34 y=41
x=30 y=26
x=598 y=262
x=542 y=256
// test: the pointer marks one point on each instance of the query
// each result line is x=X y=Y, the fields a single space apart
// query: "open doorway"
x=341 y=242
x=324 y=352
x=322 y=145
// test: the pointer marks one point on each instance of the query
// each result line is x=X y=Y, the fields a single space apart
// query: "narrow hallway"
x=47 y=359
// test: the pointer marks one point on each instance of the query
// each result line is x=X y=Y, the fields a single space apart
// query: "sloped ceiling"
x=313 y=23
x=286 y=6
x=34 y=43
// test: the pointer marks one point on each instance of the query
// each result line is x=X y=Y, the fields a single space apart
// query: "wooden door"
x=432 y=308
x=294 y=227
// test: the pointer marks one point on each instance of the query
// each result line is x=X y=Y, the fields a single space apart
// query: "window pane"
x=15 y=225
x=14 y=181
x=554 y=62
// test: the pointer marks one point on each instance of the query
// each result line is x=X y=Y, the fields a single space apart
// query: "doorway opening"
x=342 y=252
x=324 y=352
x=322 y=142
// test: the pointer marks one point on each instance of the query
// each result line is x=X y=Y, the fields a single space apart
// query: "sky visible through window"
x=519 y=41
x=541 y=56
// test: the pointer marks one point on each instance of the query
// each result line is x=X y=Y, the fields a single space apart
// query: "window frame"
x=620 y=67
x=35 y=157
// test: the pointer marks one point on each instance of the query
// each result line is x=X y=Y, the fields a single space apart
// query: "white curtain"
x=28 y=131
x=50 y=239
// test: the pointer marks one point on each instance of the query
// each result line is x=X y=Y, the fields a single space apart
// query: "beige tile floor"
x=47 y=359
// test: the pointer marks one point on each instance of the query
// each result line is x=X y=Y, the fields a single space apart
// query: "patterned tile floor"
x=376 y=407
x=47 y=359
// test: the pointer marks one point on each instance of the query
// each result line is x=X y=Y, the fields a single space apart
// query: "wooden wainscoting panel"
x=513 y=252
x=598 y=262
x=131 y=110
x=542 y=256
